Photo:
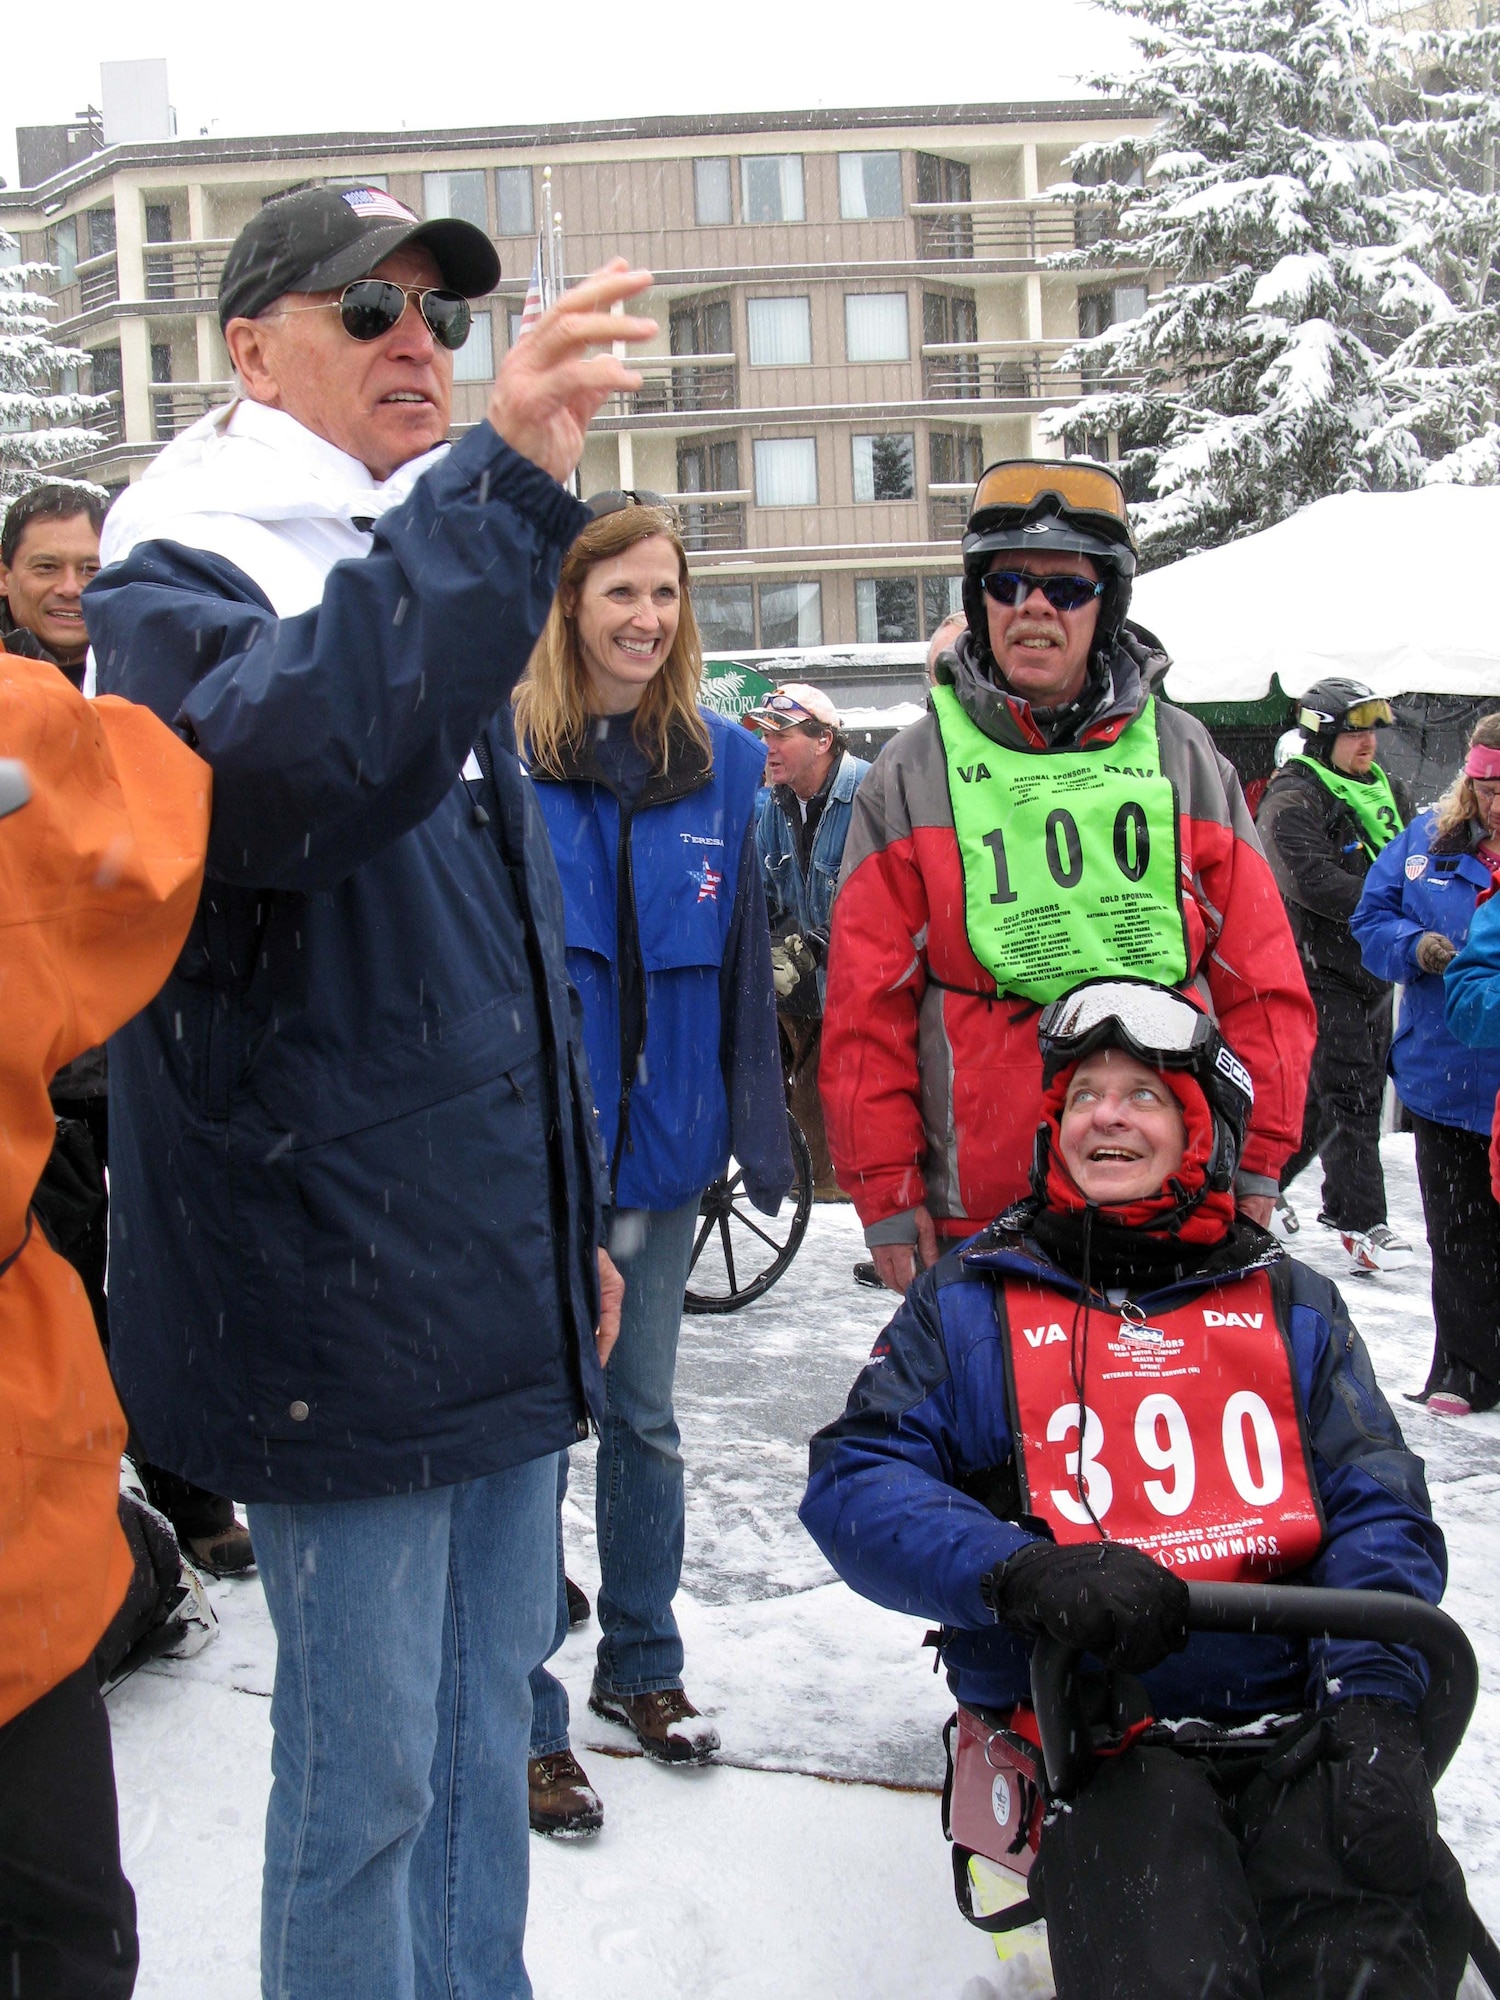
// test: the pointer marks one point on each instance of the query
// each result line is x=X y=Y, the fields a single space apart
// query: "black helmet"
x=1163 y=1028
x=1335 y=705
x=1072 y=505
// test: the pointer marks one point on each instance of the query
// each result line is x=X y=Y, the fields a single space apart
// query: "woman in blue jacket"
x=1415 y=912
x=650 y=804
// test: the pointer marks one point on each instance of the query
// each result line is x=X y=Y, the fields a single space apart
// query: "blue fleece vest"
x=685 y=862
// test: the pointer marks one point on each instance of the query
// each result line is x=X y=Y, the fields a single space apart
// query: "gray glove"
x=791 y=962
x=1435 y=953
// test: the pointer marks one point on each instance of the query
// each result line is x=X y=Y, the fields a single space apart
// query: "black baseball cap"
x=321 y=239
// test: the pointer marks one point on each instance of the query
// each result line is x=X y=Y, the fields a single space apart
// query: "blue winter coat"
x=338 y=1263
x=678 y=870
x=1412 y=888
x=805 y=902
x=887 y=1501
x=1471 y=985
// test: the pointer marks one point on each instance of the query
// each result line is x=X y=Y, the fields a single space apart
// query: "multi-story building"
x=856 y=313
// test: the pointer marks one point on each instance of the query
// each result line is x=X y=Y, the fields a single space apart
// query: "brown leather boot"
x=562 y=1802
x=664 y=1723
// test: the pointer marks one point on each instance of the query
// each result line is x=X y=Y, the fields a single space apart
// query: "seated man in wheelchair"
x=1117 y=1386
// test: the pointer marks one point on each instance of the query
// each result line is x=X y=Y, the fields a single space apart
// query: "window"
x=875 y=326
x=513 y=325
x=161 y=361
x=780 y=332
x=885 y=609
x=475 y=360
x=64 y=250
x=786 y=472
x=771 y=188
x=703 y=326
x=942 y=180
x=461 y=195
x=941 y=596
x=101 y=231
x=708 y=466
x=885 y=466
x=791 y=614
x=954 y=458
x=712 y=201
x=515 y=214
x=869 y=185
x=726 y=616
x=104 y=370
x=1097 y=310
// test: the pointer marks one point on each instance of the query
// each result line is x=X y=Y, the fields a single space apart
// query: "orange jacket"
x=99 y=878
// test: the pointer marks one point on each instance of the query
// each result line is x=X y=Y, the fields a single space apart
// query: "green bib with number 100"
x=1069 y=857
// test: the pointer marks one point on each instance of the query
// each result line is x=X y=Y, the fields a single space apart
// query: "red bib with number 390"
x=1192 y=1451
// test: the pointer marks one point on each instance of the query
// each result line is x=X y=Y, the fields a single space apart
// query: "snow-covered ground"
x=814 y=1865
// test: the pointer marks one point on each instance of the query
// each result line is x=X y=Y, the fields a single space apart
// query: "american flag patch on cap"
x=377 y=205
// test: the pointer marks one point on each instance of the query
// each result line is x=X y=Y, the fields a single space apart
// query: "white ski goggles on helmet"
x=1155 y=1024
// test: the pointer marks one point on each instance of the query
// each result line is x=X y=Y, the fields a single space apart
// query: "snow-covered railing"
x=185 y=270
x=176 y=405
x=98 y=280
x=679 y=382
x=1005 y=370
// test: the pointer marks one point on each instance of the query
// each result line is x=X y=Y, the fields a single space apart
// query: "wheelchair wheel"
x=739 y=1253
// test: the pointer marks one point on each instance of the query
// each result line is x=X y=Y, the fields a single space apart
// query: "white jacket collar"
x=253 y=485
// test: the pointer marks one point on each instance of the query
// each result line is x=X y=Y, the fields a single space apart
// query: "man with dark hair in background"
x=49 y=550
x=49 y=554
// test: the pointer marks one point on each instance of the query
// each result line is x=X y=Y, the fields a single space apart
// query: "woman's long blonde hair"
x=551 y=703
x=1459 y=806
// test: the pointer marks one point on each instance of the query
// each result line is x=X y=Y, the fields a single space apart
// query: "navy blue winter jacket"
x=1412 y=887
x=892 y=1498
x=672 y=884
x=340 y=1265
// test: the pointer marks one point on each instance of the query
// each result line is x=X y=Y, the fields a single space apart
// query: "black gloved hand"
x=1105 y=1597
x=1383 y=1814
x=817 y=943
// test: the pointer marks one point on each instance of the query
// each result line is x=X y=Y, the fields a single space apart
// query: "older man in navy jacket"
x=353 y=1270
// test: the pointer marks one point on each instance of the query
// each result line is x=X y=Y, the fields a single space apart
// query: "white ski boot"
x=1377 y=1249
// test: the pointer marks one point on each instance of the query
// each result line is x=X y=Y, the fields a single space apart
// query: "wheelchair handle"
x=1385 y=1616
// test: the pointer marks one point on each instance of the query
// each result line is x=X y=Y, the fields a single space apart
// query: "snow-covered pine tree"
x=1264 y=198
x=1445 y=105
x=42 y=425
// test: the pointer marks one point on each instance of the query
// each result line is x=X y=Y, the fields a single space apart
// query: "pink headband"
x=1482 y=762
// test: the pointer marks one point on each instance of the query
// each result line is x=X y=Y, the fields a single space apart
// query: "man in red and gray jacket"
x=1046 y=822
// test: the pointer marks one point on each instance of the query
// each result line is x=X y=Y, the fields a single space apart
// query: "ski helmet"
x=1074 y=506
x=1332 y=707
x=1167 y=1030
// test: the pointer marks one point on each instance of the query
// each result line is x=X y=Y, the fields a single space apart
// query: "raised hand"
x=549 y=387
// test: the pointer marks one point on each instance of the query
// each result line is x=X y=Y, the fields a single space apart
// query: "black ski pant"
x=1344 y=1093
x=1463 y=1228
x=1158 y=1883
x=67 y=1913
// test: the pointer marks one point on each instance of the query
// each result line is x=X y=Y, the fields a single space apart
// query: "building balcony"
x=711 y=522
x=98 y=280
x=948 y=511
x=1007 y=371
x=177 y=405
x=1024 y=232
x=185 y=270
x=686 y=382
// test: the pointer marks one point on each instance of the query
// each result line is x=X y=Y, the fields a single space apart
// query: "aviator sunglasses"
x=1063 y=593
x=370 y=307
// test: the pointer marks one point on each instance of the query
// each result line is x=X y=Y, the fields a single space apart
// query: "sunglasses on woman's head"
x=370 y=307
x=1063 y=593
x=618 y=498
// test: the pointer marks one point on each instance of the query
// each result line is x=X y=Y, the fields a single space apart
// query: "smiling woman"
x=650 y=804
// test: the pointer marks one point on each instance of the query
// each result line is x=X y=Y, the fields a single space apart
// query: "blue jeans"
x=396 y=1834
x=638 y=1496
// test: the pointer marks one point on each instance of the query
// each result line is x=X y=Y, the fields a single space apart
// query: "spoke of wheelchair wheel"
x=735 y=1182
x=708 y=1223
x=734 y=1283
x=745 y=1223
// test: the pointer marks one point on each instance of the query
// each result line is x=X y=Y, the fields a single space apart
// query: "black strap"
x=1013 y=1918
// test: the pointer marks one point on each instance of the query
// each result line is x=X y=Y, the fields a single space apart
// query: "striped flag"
x=536 y=294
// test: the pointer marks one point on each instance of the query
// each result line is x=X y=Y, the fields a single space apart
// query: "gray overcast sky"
x=274 y=67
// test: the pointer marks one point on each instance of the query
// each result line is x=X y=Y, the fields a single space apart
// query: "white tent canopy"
x=1395 y=589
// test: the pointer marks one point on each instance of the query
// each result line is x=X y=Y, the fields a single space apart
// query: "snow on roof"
x=900 y=717
x=1386 y=587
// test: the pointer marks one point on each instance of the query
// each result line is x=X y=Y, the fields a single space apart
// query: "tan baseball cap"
x=790 y=706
